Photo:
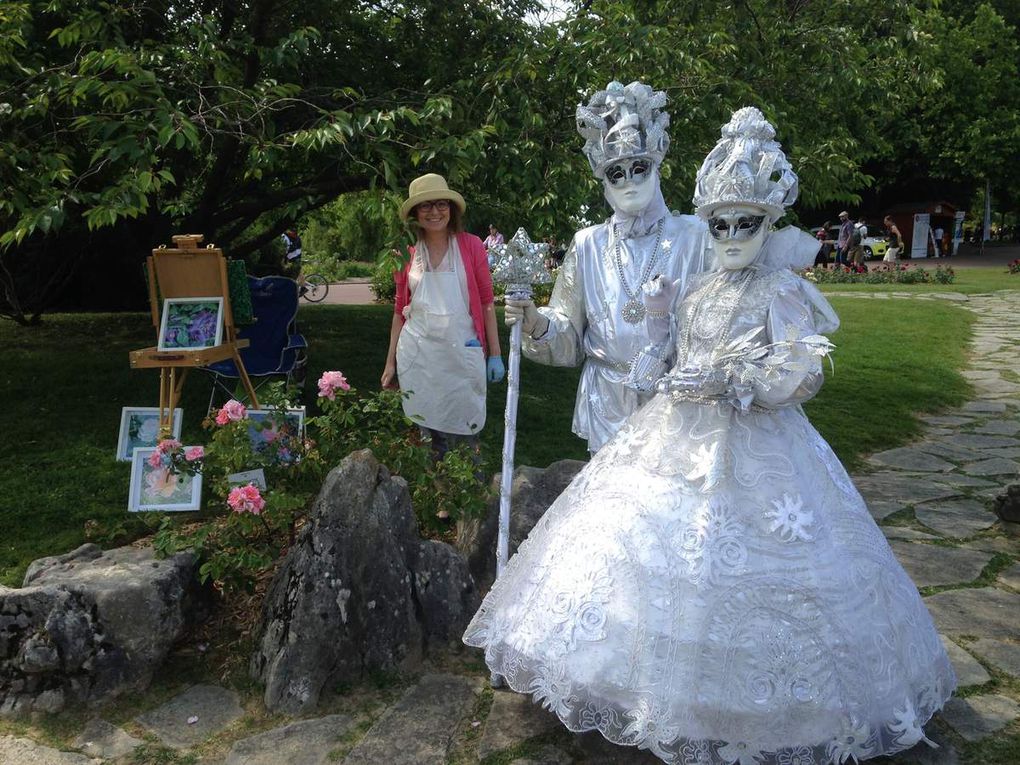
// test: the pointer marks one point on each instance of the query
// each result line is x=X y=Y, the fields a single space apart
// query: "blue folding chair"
x=276 y=348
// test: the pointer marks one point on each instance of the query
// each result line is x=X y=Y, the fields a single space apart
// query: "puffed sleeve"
x=798 y=319
x=561 y=345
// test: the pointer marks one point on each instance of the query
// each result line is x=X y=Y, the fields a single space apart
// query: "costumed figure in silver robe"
x=596 y=314
x=711 y=586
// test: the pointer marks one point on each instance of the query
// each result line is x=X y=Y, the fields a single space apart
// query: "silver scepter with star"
x=519 y=265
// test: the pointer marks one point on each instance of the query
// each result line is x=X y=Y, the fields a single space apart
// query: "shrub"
x=884 y=274
x=247 y=528
x=1014 y=266
x=383 y=285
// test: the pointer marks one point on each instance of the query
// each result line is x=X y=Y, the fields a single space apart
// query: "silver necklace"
x=634 y=309
x=715 y=286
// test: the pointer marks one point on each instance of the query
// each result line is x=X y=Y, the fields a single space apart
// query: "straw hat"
x=428 y=188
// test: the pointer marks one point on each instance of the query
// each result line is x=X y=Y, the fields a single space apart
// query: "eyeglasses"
x=634 y=170
x=440 y=204
x=741 y=227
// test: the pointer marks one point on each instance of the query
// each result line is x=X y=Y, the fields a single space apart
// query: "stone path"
x=931 y=499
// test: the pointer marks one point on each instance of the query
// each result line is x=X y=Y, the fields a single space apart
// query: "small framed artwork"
x=156 y=488
x=139 y=428
x=274 y=433
x=257 y=477
x=191 y=324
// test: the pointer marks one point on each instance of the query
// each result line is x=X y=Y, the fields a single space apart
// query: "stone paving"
x=932 y=500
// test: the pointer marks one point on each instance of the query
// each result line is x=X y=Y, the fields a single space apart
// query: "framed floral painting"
x=139 y=428
x=157 y=488
x=191 y=324
x=277 y=434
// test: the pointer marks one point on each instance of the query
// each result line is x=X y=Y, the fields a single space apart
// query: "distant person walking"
x=940 y=246
x=857 y=255
x=292 y=241
x=825 y=246
x=895 y=240
x=843 y=240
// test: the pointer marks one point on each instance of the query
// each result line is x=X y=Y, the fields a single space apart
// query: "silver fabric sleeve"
x=562 y=344
x=790 y=318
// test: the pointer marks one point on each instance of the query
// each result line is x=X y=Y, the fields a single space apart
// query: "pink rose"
x=232 y=411
x=246 y=499
x=168 y=445
x=330 y=383
x=193 y=453
x=155 y=459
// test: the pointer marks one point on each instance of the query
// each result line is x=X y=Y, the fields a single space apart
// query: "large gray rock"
x=533 y=490
x=444 y=591
x=90 y=625
x=359 y=591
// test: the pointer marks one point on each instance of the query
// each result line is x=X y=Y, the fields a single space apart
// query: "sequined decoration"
x=633 y=311
x=520 y=263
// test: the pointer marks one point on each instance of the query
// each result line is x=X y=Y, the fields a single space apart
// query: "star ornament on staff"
x=520 y=264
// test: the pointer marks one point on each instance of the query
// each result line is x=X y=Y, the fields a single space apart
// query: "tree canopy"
x=121 y=123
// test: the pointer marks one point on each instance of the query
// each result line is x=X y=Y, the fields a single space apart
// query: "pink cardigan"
x=479 y=283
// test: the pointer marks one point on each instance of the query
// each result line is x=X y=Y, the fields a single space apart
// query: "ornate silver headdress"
x=746 y=166
x=621 y=122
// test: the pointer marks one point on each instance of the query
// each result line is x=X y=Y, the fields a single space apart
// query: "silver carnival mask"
x=636 y=170
x=734 y=225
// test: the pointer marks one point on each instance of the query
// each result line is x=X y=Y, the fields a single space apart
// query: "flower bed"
x=883 y=274
x=1014 y=266
x=247 y=526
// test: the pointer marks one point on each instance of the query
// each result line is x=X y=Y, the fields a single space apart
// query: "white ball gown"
x=711 y=586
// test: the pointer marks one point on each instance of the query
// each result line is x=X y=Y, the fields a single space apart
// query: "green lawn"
x=63 y=384
x=969 y=281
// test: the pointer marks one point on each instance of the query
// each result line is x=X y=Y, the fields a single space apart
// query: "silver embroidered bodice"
x=586 y=322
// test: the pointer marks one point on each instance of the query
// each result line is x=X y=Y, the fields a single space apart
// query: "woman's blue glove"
x=494 y=369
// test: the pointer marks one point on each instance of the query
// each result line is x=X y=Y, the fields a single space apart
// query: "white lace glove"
x=533 y=323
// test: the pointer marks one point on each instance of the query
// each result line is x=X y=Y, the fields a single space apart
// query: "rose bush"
x=245 y=529
x=883 y=274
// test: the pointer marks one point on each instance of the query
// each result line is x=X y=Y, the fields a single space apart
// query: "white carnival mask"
x=738 y=234
x=630 y=184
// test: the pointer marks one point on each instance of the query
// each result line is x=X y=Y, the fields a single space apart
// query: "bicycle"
x=315 y=288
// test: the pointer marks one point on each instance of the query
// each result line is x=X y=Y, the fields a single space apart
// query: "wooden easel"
x=185 y=271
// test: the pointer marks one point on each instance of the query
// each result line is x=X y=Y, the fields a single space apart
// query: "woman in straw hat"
x=443 y=340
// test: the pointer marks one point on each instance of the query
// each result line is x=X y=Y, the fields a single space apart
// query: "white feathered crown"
x=746 y=166
x=621 y=122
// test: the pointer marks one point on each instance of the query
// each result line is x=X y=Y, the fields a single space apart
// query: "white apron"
x=445 y=377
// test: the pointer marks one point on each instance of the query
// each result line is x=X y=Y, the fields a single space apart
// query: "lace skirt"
x=712 y=588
